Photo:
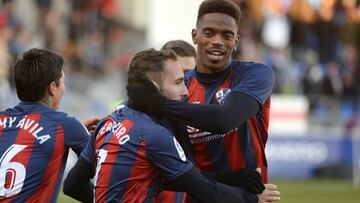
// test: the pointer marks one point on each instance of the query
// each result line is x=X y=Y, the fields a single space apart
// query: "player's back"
x=133 y=157
x=33 y=152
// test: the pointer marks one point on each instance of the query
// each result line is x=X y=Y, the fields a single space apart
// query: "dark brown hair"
x=35 y=71
x=180 y=47
x=148 y=63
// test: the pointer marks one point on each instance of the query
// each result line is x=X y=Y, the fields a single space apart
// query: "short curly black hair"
x=219 y=6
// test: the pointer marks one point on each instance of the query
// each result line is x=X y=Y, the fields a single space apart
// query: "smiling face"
x=173 y=86
x=216 y=37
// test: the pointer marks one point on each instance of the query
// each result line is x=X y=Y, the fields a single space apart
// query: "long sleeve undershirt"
x=237 y=109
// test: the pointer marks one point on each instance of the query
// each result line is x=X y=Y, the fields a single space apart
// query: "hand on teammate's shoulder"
x=90 y=123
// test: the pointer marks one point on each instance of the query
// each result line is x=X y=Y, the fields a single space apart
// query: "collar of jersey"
x=212 y=78
x=34 y=105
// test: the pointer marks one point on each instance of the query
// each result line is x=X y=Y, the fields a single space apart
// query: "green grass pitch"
x=303 y=191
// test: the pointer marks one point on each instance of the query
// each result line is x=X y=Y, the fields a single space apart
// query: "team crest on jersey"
x=179 y=150
x=221 y=94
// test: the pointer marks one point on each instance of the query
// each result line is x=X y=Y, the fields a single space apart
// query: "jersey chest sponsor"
x=197 y=136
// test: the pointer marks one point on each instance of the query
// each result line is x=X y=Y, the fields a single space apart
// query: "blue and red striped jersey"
x=131 y=154
x=34 y=144
x=245 y=145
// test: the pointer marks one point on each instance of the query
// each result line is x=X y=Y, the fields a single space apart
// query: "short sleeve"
x=165 y=152
x=257 y=81
x=89 y=151
x=76 y=135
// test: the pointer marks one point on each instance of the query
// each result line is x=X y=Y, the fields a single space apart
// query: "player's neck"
x=202 y=68
x=46 y=101
x=212 y=78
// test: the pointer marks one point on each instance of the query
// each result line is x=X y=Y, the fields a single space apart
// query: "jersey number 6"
x=12 y=174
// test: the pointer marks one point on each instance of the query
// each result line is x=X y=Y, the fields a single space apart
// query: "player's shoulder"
x=140 y=125
x=63 y=119
x=60 y=116
x=140 y=120
x=248 y=65
x=156 y=134
x=152 y=128
x=241 y=68
x=189 y=74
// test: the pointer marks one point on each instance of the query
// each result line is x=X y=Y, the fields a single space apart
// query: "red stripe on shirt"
x=201 y=151
x=102 y=184
x=24 y=137
x=101 y=135
x=266 y=113
x=233 y=150
x=167 y=196
x=2 y=117
x=171 y=197
x=50 y=180
x=258 y=147
x=112 y=148
x=100 y=138
x=231 y=140
x=141 y=176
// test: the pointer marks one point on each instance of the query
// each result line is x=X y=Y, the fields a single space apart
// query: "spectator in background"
x=34 y=137
x=184 y=51
x=5 y=90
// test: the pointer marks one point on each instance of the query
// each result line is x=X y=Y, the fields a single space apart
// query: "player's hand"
x=248 y=179
x=144 y=96
x=270 y=194
x=90 y=123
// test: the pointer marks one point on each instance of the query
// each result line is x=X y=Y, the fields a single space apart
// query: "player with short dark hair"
x=229 y=100
x=219 y=6
x=184 y=51
x=180 y=47
x=37 y=69
x=132 y=155
x=34 y=137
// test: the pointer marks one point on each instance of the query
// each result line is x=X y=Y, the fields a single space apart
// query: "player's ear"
x=237 y=40
x=193 y=35
x=52 y=89
x=155 y=84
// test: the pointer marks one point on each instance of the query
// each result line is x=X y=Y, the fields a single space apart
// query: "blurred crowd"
x=88 y=33
x=312 y=45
